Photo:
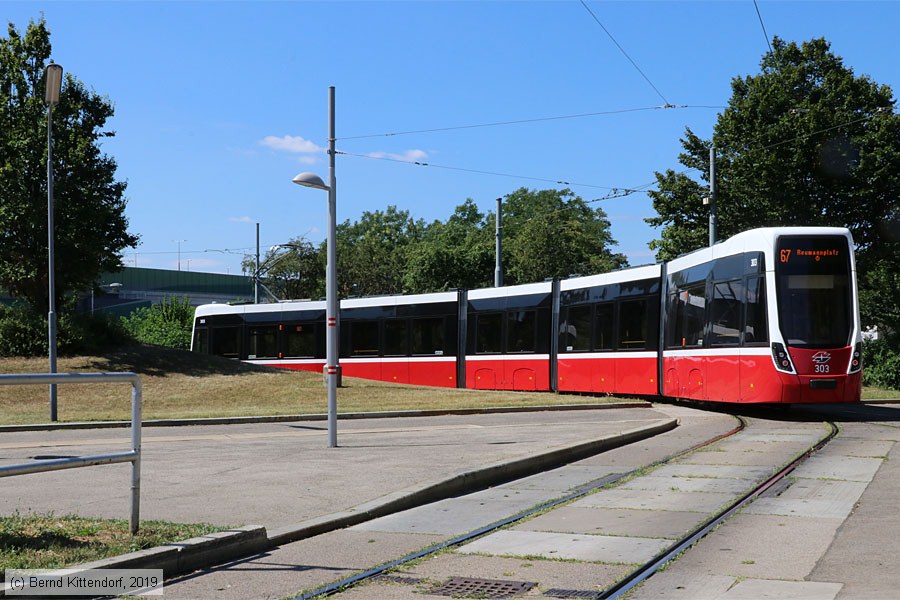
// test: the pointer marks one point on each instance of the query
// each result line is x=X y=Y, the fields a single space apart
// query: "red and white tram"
x=768 y=316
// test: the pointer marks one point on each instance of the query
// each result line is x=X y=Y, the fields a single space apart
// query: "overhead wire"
x=522 y=121
x=622 y=50
x=761 y=24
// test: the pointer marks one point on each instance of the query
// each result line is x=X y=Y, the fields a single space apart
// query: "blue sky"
x=219 y=104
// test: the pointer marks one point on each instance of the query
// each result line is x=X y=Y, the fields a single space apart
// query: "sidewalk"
x=282 y=476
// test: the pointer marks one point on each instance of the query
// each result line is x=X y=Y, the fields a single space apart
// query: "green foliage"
x=23 y=332
x=90 y=224
x=547 y=233
x=293 y=271
x=373 y=252
x=881 y=362
x=166 y=324
x=804 y=142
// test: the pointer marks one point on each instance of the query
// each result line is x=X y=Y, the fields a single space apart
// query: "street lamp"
x=332 y=368
x=51 y=97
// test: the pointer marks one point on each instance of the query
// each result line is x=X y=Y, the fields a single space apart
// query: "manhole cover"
x=482 y=588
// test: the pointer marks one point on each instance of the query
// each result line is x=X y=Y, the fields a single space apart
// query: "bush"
x=166 y=324
x=24 y=333
x=881 y=362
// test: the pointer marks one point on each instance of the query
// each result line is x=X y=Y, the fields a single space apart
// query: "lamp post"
x=332 y=368
x=51 y=97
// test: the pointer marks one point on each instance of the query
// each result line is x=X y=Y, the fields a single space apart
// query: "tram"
x=770 y=315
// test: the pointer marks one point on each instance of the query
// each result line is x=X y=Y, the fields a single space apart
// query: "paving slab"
x=685 y=586
x=705 y=502
x=299 y=566
x=681 y=469
x=614 y=521
x=550 y=575
x=452 y=517
x=761 y=546
x=755 y=589
x=562 y=479
x=688 y=484
x=861 y=447
x=847 y=468
x=763 y=456
x=572 y=546
x=863 y=554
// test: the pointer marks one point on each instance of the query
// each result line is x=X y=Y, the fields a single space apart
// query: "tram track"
x=579 y=492
x=637 y=575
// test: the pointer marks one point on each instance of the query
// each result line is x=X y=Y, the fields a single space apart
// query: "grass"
x=50 y=542
x=180 y=384
x=875 y=393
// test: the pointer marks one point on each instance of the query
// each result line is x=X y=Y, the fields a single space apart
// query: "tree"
x=373 y=252
x=91 y=228
x=804 y=142
x=298 y=272
x=458 y=253
x=554 y=233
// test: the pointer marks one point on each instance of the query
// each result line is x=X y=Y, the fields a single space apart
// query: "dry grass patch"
x=179 y=384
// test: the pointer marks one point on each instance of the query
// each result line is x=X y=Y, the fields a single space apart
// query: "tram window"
x=395 y=337
x=225 y=341
x=673 y=320
x=300 y=340
x=262 y=342
x=364 y=338
x=521 y=327
x=428 y=336
x=201 y=340
x=488 y=333
x=725 y=313
x=633 y=324
x=755 y=329
x=686 y=317
x=575 y=331
x=605 y=322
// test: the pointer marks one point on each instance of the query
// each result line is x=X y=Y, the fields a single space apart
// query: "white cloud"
x=290 y=143
x=241 y=220
x=414 y=155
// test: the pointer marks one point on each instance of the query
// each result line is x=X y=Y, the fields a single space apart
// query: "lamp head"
x=54 y=84
x=312 y=180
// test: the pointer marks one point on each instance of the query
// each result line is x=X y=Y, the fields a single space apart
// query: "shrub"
x=24 y=333
x=881 y=362
x=166 y=324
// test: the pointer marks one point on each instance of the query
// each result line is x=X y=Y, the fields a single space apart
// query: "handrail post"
x=136 y=402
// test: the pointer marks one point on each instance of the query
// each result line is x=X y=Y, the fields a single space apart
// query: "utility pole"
x=712 y=196
x=498 y=270
x=256 y=273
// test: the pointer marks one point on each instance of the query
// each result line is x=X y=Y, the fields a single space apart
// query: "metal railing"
x=134 y=456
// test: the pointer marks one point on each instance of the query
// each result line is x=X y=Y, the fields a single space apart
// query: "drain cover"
x=482 y=588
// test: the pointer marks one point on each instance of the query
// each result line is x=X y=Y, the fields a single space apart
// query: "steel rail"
x=649 y=568
x=346 y=583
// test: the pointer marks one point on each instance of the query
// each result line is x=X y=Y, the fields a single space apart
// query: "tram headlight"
x=856 y=359
x=781 y=358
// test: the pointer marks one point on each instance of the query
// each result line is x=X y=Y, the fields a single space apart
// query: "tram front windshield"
x=813 y=284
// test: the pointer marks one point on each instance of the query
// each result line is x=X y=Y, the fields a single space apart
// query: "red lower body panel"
x=611 y=373
x=508 y=372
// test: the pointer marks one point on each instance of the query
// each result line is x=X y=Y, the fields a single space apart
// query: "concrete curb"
x=317 y=417
x=218 y=548
x=184 y=557
x=480 y=478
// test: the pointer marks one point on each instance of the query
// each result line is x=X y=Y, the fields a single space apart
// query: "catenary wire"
x=761 y=24
x=622 y=50
x=522 y=121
